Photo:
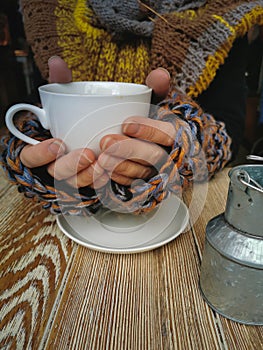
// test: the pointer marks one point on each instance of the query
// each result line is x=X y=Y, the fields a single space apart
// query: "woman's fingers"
x=156 y=131
x=136 y=157
x=79 y=169
x=43 y=153
x=93 y=176
x=58 y=70
x=126 y=148
x=71 y=164
x=124 y=167
x=126 y=159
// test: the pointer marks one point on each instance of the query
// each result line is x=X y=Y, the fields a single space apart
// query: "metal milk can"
x=231 y=278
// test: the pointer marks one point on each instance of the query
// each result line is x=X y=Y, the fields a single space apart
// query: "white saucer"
x=154 y=230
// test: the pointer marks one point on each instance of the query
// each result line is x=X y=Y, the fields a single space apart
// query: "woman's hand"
x=80 y=167
x=137 y=153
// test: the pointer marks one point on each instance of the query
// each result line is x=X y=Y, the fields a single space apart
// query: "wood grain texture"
x=55 y=294
x=34 y=256
x=139 y=301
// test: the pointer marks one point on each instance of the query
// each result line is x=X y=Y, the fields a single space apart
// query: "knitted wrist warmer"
x=201 y=148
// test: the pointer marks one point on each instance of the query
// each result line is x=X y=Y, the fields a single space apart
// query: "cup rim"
x=144 y=89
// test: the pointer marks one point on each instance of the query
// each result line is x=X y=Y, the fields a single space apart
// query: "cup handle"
x=39 y=112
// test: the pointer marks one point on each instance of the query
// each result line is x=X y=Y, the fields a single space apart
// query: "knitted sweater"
x=189 y=38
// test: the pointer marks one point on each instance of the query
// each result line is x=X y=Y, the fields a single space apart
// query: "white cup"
x=81 y=113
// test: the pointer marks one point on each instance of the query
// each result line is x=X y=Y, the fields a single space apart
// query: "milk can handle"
x=247 y=181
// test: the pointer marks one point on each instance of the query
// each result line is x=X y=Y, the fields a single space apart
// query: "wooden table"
x=56 y=294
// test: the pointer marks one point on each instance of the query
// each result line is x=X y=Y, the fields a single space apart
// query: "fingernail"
x=87 y=158
x=57 y=148
x=52 y=58
x=106 y=141
x=131 y=128
x=166 y=71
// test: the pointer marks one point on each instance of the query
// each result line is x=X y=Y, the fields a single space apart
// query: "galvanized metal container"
x=231 y=278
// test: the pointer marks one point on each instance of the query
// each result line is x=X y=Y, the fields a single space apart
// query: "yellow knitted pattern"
x=213 y=62
x=91 y=53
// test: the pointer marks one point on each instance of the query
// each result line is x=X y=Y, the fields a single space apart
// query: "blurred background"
x=20 y=78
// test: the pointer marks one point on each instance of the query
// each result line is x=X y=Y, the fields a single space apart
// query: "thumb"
x=58 y=70
x=159 y=80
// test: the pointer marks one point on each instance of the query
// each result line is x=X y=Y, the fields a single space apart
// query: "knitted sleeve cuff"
x=200 y=149
x=206 y=136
